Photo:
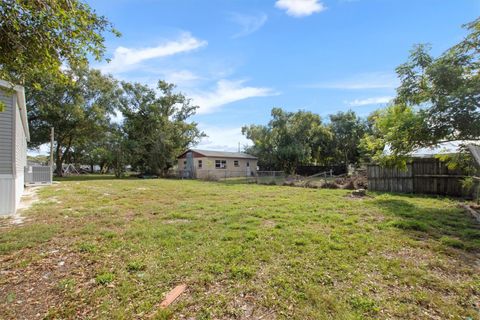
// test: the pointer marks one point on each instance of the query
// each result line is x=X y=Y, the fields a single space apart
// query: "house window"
x=185 y=165
x=220 y=164
x=235 y=163
x=200 y=163
x=248 y=164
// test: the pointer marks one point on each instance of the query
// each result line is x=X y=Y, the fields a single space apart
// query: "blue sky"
x=239 y=58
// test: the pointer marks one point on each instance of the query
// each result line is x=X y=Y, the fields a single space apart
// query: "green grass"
x=277 y=252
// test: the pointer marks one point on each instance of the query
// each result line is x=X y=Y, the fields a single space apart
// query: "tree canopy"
x=156 y=126
x=290 y=139
x=39 y=36
x=78 y=109
x=438 y=100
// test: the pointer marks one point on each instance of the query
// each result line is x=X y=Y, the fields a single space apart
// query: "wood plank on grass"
x=173 y=295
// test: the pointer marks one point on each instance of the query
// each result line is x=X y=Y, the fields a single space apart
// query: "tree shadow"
x=452 y=226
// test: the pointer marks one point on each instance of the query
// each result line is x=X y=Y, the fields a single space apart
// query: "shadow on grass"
x=91 y=177
x=453 y=227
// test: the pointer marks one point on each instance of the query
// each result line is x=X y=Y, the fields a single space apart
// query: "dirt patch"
x=42 y=281
x=268 y=223
x=244 y=305
x=176 y=221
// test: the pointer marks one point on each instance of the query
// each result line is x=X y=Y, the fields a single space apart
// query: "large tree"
x=157 y=127
x=37 y=37
x=78 y=109
x=438 y=100
x=348 y=129
x=290 y=139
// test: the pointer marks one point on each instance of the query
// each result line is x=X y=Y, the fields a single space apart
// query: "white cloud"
x=248 y=23
x=227 y=91
x=222 y=138
x=369 y=101
x=181 y=77
x=372 y=80
x=300 y=8
x=125 y=59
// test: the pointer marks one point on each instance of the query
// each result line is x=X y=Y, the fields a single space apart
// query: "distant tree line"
x=155 y=127
x=292 y=139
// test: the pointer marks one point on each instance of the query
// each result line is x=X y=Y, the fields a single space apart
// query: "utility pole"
x=51 y=147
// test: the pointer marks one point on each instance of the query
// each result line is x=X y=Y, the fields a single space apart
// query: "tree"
x=438 y=100
x=157 y=127
x=348 y=130
x=109 y=152
x=79 y=110
x=290 y=139
x=37 y=37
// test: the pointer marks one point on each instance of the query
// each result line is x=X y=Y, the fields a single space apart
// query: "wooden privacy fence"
x=427 y=176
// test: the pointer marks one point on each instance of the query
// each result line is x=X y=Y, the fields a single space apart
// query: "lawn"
x=112 y=249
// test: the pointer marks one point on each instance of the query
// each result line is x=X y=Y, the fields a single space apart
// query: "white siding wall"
x=13 y=154
x=7 y=195
x=20 y=156
x=6 y=132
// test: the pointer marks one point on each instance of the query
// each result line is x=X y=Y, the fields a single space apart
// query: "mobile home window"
x=200 y=163
x=220 y=164
x=235 y=163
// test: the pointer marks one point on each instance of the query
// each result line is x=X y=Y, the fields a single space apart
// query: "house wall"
x=20 y=156
x=7 y=156
x=208 y=167
x=13 y=154
x=6 y=132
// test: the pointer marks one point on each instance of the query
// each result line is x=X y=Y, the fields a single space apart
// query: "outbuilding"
x=205 y=164
x=14 y=136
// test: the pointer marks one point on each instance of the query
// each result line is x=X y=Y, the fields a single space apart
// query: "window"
x=235 y=163
x=200 y=163
x=248 y=164
x=185 y=165
x=220 y=164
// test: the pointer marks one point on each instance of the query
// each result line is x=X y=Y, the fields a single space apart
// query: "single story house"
x=205 y=164
x=14 y=136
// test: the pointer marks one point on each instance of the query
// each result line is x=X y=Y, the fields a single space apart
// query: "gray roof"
x=222 y=154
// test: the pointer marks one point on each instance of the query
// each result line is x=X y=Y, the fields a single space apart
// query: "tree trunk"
x=58 y=160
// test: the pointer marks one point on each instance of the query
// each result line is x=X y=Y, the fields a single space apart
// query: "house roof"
x=220 y=154
x=20 y=92
x=449 y=147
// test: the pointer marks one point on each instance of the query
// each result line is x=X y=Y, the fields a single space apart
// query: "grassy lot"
x=111 y=249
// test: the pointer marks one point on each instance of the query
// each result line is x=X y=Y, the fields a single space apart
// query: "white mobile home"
x=14 y=136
